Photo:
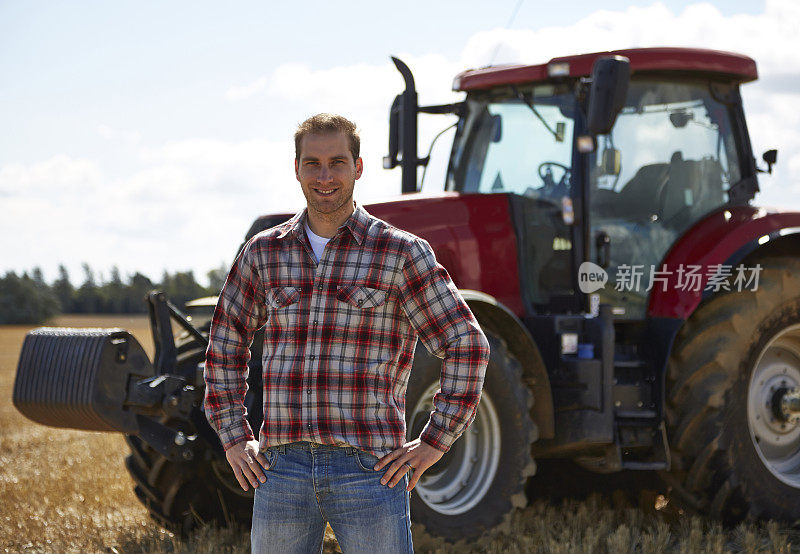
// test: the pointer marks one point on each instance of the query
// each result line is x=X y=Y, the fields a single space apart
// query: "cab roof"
x=729 y=65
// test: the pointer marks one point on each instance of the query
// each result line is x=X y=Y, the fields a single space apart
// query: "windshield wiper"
x=533 y=109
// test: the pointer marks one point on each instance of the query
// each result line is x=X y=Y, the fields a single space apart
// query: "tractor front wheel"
x=473 y=489
x=182 y=495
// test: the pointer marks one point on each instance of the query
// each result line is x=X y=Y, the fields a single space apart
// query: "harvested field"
x=68 y=491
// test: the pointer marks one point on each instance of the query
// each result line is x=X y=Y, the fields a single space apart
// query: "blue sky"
x=149 y=135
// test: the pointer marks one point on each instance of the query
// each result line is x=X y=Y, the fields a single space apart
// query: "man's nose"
x=324 y=175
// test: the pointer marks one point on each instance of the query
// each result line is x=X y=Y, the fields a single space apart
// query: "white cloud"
x=116 y=135
x=58 y=176
x=236 y=93
x=769 y=37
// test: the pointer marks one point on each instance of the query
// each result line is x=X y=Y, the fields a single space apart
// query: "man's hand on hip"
x=246 y=462
x=415 y=455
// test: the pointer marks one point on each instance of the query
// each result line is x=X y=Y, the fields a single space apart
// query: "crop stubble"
x=68 y=491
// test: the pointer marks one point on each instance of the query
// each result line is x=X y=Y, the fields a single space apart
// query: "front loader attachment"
x=102 y=380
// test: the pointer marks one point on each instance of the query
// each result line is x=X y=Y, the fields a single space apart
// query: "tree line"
x=28 y=299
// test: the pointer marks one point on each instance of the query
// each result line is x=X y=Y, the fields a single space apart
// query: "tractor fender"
x=727 y=236
x=503 y=323
x=781 y=242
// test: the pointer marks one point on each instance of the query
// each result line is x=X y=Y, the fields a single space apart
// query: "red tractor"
x=642 y=313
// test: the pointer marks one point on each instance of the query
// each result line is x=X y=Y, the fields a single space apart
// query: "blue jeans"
x=309 y=484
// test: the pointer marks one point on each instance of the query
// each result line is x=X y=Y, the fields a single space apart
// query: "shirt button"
x=308 y=391
x=315 y=322
x=319 y=287
x=312 y=356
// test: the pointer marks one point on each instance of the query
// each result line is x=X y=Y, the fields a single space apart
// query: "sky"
x=149 y=135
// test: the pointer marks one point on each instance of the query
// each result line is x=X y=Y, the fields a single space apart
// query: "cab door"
x=520 y=143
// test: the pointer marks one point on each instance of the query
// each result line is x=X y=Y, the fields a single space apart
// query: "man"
x=344 y=297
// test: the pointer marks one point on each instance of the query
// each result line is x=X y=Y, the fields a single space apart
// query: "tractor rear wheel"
x=474 y=488
x=735 y=454
x=184 y=495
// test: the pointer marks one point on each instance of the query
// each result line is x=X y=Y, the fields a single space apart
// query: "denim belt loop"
x=281 y=448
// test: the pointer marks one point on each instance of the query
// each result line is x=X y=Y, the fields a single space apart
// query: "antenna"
x=508 y=25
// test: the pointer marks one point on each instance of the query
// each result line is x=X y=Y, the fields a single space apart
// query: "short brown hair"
x=324 y=123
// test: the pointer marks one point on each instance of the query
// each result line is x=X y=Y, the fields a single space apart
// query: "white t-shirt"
x=317 y=242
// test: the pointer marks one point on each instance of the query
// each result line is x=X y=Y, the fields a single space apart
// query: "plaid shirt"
x=339 y=338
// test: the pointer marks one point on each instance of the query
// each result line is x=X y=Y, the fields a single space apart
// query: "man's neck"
x=325 y=225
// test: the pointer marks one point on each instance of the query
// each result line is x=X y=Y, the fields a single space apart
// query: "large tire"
x=731 y=456
x=473 y=490
x=184 y=495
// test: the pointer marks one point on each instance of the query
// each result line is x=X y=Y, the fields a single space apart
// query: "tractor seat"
x=636 y=200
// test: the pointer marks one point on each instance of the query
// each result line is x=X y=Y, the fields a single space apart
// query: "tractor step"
x=642 y=443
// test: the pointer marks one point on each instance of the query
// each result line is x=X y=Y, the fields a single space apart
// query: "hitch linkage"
x=166 y=393
x=160 y=310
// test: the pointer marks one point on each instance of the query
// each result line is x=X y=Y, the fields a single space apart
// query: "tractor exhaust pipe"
x=403 y=131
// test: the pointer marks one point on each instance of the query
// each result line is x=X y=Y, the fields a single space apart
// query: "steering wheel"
x=551 y=187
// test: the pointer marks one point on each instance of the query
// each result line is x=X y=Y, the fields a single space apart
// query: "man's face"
x=327 y=172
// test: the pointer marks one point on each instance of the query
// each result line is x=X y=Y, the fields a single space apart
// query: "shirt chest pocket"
x=361 y=297
x=281 y=297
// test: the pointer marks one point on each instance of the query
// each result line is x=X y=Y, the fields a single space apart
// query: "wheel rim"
x=776 y=440
x=471 y=462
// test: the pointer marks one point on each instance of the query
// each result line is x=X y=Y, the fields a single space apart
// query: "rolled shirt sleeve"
x=448 y=330
x=240 y=311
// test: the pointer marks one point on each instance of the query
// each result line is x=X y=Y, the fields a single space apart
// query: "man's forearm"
x=228 y=416
x=239 y=312
x=455 y=405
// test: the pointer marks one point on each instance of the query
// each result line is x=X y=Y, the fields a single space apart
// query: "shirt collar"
x=357 y=224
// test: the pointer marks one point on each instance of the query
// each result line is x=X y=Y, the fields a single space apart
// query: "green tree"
x=138 y=287
x=181 y=287
x=88 y=299
x=26 y=300
x=64 y=291
x=113 y=293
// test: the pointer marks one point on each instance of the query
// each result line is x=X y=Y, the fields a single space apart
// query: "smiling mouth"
x=325 y=192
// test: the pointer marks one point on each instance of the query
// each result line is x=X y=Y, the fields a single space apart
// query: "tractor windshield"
x=520 y=142
x=516 y=140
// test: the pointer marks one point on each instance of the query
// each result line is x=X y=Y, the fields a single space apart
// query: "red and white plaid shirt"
x=339 y=338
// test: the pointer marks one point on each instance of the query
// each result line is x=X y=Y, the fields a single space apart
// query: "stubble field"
x=68 y=491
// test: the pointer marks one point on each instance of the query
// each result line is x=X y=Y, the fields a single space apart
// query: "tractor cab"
x=675 y=148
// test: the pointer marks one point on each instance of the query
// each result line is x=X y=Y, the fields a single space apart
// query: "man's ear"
x=359 y=167
x=297 y=169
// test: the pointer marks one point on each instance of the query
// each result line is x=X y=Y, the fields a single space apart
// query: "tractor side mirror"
x=610 y=78
x=771 y=158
